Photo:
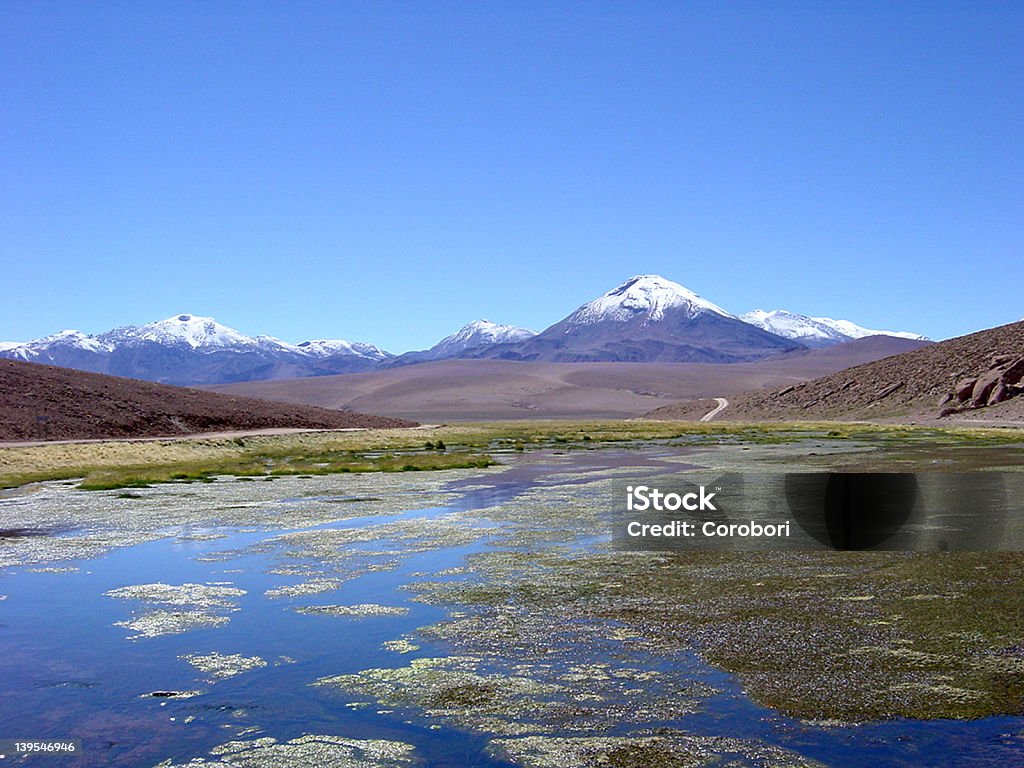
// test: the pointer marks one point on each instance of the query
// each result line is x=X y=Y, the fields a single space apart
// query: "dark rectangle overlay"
x=884 y=511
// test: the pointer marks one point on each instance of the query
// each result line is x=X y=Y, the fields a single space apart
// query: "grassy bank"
x=119 y=463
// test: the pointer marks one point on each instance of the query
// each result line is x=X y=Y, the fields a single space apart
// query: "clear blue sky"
x=386 y=172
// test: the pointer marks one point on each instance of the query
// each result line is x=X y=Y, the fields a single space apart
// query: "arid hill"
x=44 y=402
x=974 y=376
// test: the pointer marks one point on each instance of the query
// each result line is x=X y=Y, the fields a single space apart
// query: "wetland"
x=292 y=613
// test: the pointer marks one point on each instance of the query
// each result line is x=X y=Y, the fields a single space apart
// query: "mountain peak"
x=648 y=319
x=196 y=331
x=487 y=327
x=650 y=295
x=481 y=324
x=477 y=334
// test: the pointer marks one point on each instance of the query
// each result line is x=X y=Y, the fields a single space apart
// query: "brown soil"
x=908 y=385
x=45 y=402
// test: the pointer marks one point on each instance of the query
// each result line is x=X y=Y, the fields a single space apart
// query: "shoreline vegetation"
x=116 y=464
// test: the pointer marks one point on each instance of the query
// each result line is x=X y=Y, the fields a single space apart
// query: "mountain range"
x=815 y=332
x=188 y=349
x=645 y=319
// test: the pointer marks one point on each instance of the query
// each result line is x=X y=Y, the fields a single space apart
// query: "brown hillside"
x=912 y=384
x=45 y=402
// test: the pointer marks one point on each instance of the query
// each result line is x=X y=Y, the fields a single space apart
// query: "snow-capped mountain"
x=190 y=349
x=322 y=348
x=471 y=339
x=479 y=333
x=648 y=319
x=645 y=296
x=69 y=339
x=5 y=345
x=194 y=331
x=815 y=331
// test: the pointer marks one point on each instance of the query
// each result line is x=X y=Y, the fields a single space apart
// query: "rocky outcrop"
x=1004 y=380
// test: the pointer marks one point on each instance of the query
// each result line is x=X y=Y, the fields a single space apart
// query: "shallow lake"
x=156 y=624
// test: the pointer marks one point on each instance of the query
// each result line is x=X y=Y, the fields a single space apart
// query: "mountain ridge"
x=816 y=331
x=647 y=318
x=188 y=349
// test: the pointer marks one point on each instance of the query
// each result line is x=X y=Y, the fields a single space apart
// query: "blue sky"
x=386 y=172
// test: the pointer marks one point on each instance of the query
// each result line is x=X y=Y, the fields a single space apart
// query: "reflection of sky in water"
x=67 y=672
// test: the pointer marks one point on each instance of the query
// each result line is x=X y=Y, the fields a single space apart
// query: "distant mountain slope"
x=815 y=331
x=961 y=373
x=47 y=402
x=189 y=349
x=460 y=389
x=647 y=319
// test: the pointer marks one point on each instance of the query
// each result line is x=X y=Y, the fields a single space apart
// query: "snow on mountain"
x=191 y=349
x=202 y=334
x=790 y=325
x=479 y=333
x=643 y=295
x=814 y=331
x=471 y=340
x=332 y=347
x=646 y=319
x=199 y=333
x=67 y=339
x=857 y=332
